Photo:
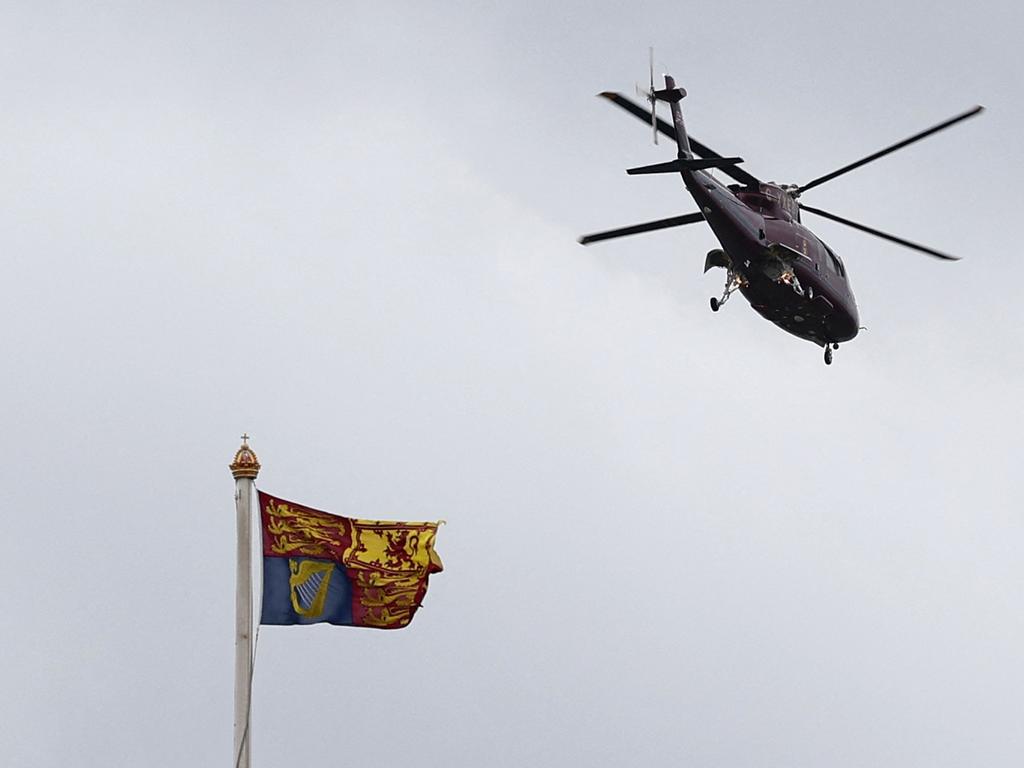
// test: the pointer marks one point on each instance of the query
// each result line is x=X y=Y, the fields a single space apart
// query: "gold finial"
x=245 y=464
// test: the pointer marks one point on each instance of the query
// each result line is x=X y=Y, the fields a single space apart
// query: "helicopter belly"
x=801 y=317
x=816 y=316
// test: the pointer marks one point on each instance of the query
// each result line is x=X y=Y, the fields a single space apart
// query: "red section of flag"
x=290 y=529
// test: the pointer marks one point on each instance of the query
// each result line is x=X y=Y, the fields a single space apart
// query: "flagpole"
x=245 y=467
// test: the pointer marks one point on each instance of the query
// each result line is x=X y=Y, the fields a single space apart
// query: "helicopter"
x=786 y=272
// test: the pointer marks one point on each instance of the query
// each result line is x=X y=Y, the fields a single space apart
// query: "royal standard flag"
x=319 y=567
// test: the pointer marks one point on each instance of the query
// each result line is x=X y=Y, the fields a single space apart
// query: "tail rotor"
x=654 y=98
x=649 y=95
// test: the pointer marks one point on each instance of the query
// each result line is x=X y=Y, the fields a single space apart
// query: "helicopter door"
x=812 y=252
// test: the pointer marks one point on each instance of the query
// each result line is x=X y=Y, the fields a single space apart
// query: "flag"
x=319 y=567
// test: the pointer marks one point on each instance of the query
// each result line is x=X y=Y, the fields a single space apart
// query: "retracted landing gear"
x=732 y=283
x=828 y=352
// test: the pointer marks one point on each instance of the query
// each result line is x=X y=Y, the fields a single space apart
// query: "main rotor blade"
x=667 y=129
x=900 y=145
x=650 y=226
x=879 y=233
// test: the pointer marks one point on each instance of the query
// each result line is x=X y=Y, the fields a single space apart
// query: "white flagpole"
x=245 y=467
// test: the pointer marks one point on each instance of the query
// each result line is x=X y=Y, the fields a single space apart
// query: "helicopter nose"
x=844 y=325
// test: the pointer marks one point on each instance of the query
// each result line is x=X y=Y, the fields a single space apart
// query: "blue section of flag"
x=282 y=591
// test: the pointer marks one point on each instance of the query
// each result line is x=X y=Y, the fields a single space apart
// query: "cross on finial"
x=245 y=464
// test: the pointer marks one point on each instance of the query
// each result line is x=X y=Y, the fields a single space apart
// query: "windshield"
x=833 y=261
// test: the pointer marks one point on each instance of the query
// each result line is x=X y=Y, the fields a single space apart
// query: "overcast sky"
x=675 y=537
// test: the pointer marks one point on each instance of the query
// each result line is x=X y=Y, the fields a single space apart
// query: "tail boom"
x=673 y=96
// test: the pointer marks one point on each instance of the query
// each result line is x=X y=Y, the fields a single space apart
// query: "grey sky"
x=674 y=537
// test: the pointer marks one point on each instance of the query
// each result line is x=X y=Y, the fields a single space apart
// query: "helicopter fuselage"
x=784 y=270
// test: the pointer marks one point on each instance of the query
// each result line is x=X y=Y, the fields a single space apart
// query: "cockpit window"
x=833 y=261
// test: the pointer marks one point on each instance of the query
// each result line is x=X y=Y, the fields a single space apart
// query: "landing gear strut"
x=732 y=283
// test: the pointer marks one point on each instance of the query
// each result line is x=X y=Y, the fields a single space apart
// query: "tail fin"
x=673 y=96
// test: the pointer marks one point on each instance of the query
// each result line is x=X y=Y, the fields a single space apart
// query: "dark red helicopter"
x=784 y=270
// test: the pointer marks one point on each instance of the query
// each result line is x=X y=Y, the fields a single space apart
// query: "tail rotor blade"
x=652 y=97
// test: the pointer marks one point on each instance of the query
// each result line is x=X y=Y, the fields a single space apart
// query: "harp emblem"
x=308 y=582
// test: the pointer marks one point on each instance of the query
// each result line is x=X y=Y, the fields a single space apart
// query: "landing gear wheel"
x=828 y=355
x=715 y=304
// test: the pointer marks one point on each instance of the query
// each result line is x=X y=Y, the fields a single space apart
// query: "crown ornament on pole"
x=245 y=464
